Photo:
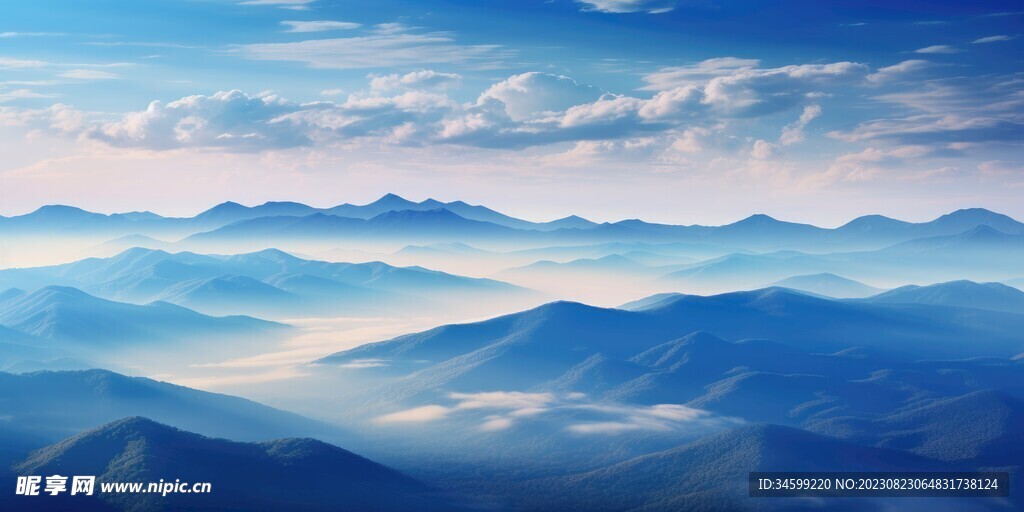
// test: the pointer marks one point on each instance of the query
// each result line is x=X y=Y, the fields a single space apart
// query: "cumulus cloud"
x=528 y=94
x=58 y=118
x=626 y=6
x=691 y=140
x=794 y=133
x=737 y=88
x=763 y=150
x=524 y=110
x=231 y=120
x=318 y=26
x=423 y=79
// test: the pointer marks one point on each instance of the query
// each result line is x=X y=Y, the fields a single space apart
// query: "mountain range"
x=821 y=384
x=434 y=221
x=266 y=283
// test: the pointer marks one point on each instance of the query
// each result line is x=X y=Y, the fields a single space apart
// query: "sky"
x=682 y=111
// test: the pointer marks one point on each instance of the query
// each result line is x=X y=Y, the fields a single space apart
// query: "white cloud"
x=626 y=6
x=678 y=76
x=502 y=400
x=605 y=427
x=318 y=26
x=58 y=118
x=956 y=110
x=736 y=88
x=332 y=92
x=528 y=94
x=496 y=423
x=7 y=35
x=295 y=5
x=763 y=150
x=907 y=67
x=939 y=48
x=605 y=418
x=230 y=119
x=88 y=74
x=375 y=51
x=9 y=63
x=993 y=39
x=523 y=110
x=661 y=417
x=365 y=363
x=867 y=164
x=390 y=28
x=22 y=94
x=423 y=79
x=422 y=414
x=674 y=412
x=691 y=140
x=794 y=133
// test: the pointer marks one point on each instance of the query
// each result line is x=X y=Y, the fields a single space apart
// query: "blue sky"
x=679 y=111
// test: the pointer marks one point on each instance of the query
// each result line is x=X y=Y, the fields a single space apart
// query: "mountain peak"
x=972 y=217
x=390 y=199
x=758 y=218
x=226 y=205
x=58 y=210
x=983 y=232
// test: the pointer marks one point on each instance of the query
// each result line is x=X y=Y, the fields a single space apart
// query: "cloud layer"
x=506 y=409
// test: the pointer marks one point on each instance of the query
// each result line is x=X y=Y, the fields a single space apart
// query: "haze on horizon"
x=683 y=112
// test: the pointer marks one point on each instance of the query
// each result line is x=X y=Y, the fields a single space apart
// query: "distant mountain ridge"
x=378 y=218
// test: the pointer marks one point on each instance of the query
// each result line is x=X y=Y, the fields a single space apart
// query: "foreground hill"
x=284 y=474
